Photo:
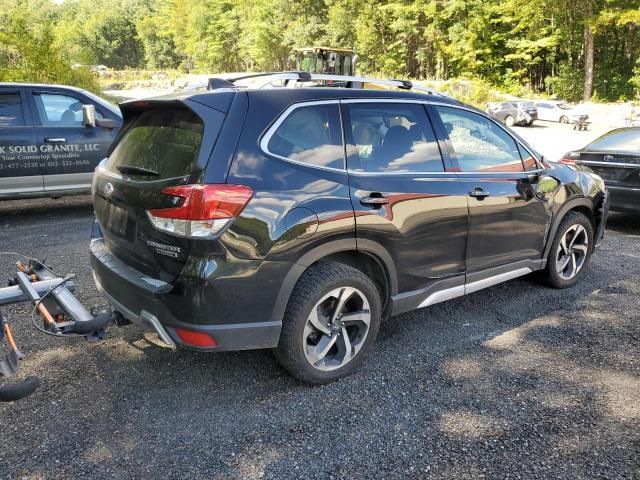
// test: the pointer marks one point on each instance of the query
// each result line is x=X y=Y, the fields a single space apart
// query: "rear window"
x=166 y=141
x=618 y=141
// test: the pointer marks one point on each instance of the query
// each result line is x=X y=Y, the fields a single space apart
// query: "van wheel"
x=331 y=321
x=570 y=252
x=509 y=121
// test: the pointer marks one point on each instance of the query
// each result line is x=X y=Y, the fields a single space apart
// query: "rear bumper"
x=152 y=304
x=624 y=199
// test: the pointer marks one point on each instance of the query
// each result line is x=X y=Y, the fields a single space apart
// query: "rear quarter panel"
x=294 y=207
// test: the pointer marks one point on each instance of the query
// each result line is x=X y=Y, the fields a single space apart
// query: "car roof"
x=39 y=85
x=310 y=94
x=50 y=86
x=328 y=93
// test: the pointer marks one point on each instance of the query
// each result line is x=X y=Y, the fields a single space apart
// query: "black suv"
x=298 y=218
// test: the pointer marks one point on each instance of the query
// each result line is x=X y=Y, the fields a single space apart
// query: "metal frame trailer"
x=62 y=314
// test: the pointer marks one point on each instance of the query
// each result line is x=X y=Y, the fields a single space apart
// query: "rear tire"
x=331 y=321
x=564 y=119
x=570 y=251
x=509 y=121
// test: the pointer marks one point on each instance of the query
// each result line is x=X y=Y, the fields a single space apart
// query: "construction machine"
x=326 y=60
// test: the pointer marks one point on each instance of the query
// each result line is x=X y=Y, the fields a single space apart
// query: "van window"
x=11 y=114
x=163 y=140
x=310 y=134
x=59 y=110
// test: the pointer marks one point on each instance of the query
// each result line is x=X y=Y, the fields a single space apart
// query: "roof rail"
x=344 y=81
x=292 y=75
x=357 y=82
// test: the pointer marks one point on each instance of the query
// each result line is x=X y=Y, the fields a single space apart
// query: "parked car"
x=51 y=139
x=100 y=70
x=559 y=112
x=615 y=156
x=297 y=219
x=513 y=113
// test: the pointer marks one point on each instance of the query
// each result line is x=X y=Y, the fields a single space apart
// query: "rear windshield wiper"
x=133 y=170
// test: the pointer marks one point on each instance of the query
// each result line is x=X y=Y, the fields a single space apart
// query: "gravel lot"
x=553 y=139
x=517 y=381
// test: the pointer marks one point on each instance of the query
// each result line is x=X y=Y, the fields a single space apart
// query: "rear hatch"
x=163 y=143
x=616 y=168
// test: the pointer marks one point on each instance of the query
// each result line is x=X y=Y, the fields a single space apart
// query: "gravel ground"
x=553 y=139
x=517 y=381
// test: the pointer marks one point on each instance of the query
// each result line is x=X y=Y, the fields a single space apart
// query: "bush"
x=568 y=84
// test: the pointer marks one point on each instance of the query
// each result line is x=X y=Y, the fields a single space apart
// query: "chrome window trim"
x=609 y=164
x=266 y=137
x=524 y=173
x=460 y=107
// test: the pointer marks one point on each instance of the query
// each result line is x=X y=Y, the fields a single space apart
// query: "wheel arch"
x=368 y=257
x=583 y=205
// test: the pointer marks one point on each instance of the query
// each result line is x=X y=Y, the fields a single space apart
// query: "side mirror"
x=89 y=116
x=546 y=188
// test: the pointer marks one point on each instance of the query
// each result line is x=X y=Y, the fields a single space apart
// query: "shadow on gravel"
x=515 y=381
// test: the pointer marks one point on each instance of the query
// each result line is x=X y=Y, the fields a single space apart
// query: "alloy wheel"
x=572 y=252
x=337 y=328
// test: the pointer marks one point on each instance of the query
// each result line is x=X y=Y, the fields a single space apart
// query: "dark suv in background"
x=514 y=113
x=298 y=218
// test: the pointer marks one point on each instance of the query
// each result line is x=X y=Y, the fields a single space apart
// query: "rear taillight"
x=201 y=211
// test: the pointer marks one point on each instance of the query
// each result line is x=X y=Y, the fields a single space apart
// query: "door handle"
x=479 y=193
x=374 y=201
x=55 y=140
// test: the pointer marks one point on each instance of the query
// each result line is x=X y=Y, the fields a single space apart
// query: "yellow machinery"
x=327 y=60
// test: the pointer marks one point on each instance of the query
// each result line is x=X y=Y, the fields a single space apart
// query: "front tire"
x=564 y=119
x=331 y=321
x=570 y=252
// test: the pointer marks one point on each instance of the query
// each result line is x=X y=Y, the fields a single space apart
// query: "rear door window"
x=161 y=140
x=310 y=134
x=393 y=138
x=11 y=113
